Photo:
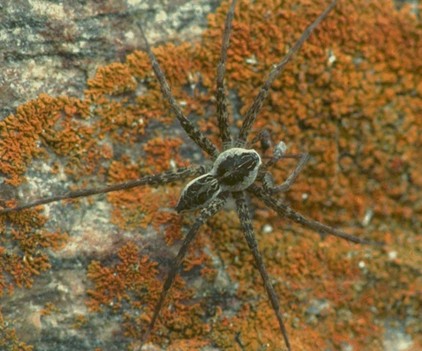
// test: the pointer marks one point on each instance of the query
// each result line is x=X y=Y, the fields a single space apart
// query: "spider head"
x=236 y=168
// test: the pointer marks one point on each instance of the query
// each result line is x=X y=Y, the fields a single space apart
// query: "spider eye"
x=236 y=168
x=198 y=192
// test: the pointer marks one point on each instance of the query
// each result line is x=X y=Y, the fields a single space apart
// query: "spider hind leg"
x=207 y=212
x=152 y=180
x=246 y=223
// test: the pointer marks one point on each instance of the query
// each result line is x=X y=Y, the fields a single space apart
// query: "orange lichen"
x=9 y=340
x=351 y=98
x=49 y=119
x=342 y=87
x=132 y=275
x=48 y=309
x=23 y=247
x=162 y=150
x=133 y=281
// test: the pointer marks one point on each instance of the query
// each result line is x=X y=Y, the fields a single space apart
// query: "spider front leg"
x=221 y=94
x=246 y=223
x=275 y=72
x=191 y=130
x=213 y=207
x=268 y=180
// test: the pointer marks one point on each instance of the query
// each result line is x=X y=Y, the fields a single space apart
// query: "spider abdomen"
x=198 y=193
x=236 y=168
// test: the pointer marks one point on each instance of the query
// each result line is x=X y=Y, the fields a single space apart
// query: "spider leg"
x=205 y=214
x=275 y=72
x=154 y=180
x=264 y=137
x=221 y=96
x=191 y=130
x=285 y=211
x=245 y=220
x=268 y=181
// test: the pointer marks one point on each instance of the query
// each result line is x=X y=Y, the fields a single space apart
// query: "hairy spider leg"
x=246 y=223
x=153 y=180
x=221 y=94
x=268 y=180
x=256 y=105
x=206 y=213
x=285 y=211
x=191 y=130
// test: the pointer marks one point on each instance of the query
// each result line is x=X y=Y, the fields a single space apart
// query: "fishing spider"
x=236 y=172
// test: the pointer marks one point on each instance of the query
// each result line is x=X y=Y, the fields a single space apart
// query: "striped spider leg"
x=191 y=130
x=151 y=180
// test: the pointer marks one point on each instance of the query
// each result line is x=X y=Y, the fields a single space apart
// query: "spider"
x=237 y=171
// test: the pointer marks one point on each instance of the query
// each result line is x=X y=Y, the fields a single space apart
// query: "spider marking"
x=198 y=193
x=235 y=172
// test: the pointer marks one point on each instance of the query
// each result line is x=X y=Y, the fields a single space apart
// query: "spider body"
x=236 y=172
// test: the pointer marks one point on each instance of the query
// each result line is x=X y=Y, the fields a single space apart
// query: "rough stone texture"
x=53 y=46
x=97 y=33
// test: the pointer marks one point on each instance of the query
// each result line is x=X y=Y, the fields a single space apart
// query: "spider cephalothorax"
x=236 y=169
x=236 y=172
